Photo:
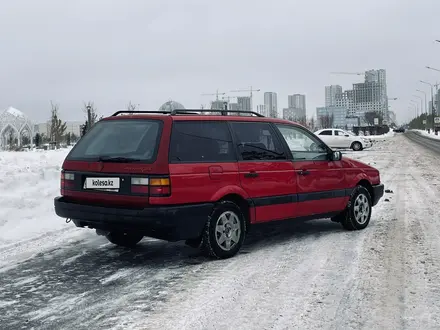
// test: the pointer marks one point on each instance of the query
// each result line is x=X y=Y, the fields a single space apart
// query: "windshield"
x=122 y=140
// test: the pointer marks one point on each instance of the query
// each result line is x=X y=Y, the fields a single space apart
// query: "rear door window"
x=200 y=142
x=258 y=141
x=133 y=139
x=326 y=132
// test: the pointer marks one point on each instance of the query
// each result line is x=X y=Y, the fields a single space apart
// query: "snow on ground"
x=311 y=275
x=28 y=183
x=428 y=134
x=388 y=135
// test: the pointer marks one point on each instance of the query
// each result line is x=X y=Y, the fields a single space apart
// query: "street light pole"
x=426 y=103
x=416 y=104
x=432 y=102
x=421 y=103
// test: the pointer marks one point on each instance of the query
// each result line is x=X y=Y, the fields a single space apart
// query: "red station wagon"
x=206 y=179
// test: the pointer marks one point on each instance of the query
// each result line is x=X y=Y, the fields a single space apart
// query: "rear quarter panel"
x=192 y=183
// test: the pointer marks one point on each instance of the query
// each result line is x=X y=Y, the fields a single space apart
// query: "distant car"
x=399 y=130
x=206 y=179
x=338 y=138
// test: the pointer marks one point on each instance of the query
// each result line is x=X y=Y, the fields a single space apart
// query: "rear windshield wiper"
x=110 y=159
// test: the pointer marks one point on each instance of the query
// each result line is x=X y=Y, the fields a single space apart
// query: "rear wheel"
x=224 y=232
x=358 y=213
x=124 y=239
x=356 y=146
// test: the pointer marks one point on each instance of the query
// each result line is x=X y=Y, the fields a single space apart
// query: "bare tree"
x=302 y=120
x=326 y=121
x=131 y=106
x=92 y=116
x=371 y=115
x=57 y=127
x=312 y=123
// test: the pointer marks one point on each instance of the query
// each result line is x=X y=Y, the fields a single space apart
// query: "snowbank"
x=28 y=183
x=388 y=135
x=425 y=133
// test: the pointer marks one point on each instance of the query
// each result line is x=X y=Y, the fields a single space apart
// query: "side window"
x=303 y=145
x=326 y=132
x=339 y=133
x=258 y=141
x=201 y=141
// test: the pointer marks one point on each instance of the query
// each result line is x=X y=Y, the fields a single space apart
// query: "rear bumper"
x=378 y=191
x=172 y=223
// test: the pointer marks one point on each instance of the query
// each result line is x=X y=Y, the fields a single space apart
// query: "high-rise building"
x=330 y=94
x=271 y=104
x=369 y=96
x=294 y=114
x=261 y=109
x=217 y=105
x=297 y=101
x=333 y=116
x=233 y=106
x=244 y=103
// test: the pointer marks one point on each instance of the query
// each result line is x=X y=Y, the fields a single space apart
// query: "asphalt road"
x=425 y=141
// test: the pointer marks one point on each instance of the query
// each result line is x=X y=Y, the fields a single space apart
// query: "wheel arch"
x=367 y=185
x=357 y=141
x=243 y=204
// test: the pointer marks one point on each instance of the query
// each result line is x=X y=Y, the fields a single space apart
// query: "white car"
x=339 y=138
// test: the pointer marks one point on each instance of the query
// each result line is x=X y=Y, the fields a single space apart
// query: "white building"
x=261 y=109
x=297 y=101
x=271 y=104
x=244 y=103
x=72 y=127
x=336 y=113
x=330 y=94
x=369 y=96
x=295 y=114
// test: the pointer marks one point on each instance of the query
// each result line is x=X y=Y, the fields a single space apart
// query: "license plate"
x=107 y=184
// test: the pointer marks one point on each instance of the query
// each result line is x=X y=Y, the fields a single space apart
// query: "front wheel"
x=224 y=231
x=358 y=213
x=356 y=146
x=124 y=239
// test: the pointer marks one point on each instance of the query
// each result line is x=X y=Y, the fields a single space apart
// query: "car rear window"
x=128 y=138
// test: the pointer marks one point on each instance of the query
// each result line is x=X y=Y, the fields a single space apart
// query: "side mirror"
x=336 y=155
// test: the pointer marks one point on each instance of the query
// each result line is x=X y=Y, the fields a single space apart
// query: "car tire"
x=124 y=239
x=358 y=212
x=356 y=146
x=225 y=231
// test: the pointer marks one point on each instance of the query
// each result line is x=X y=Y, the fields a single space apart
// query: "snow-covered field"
x=28 y=183
x=310 y=275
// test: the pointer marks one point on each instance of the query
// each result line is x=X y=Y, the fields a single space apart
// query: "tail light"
x=160 y=187
x=139 y=185
x=67 y=181
x=155 y=187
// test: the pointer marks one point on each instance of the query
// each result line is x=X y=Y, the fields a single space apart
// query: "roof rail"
x=223 y=112
x=185 y=112
x=140 y=111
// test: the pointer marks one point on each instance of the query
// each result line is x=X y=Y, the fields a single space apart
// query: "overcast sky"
x=150 y=51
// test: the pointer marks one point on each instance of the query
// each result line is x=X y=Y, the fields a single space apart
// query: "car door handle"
x=251 y=175
x=303 y=172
